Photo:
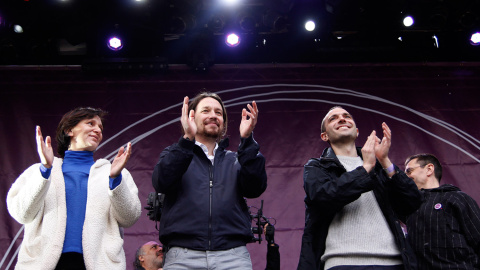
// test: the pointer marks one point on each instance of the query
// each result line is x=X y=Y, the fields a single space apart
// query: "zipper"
x=210 y=173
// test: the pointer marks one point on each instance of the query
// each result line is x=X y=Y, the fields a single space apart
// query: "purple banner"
x=430 y=108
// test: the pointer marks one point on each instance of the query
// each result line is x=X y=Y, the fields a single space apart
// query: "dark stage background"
x=429 y=107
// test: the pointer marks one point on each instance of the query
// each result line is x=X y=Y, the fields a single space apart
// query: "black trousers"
x=71 y=261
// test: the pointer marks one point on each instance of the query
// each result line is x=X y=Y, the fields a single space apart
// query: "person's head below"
x=149 y=256
x=338 y=127
x=80 y=130
x=210 y=116
x=425 y=170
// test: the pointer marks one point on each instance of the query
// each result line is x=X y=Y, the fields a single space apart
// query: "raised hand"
x=247 y=125
x=120 y=160
x=44 y=148
x=188 y=121
x=382 y=147
x=368 y=152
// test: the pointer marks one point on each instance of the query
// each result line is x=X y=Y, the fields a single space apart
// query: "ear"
x=324 y=136
x=140 y=258
x=68 y=133
x=358 y=132
x=430 y=169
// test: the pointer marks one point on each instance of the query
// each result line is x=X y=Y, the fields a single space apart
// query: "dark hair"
x=323 y=128
x=424 y=159
x=137 y=265
x=196 y=100
x=69 y=121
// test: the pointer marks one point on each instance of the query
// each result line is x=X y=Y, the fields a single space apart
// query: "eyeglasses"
x=411 y=169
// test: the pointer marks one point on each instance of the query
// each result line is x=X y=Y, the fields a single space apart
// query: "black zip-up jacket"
x=204 y=206
x=329 y=187
x=445 y=230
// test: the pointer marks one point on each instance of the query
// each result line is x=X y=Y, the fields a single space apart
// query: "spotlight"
x=439 y=17
x=230 y=2
x=310 y=26
x=232 y=40
x=274 y=21
x=246 y=21
x=181 y=24
x=408 y=21
x=115 y=44
x=475 y=39
x=216 y=23
x=18 y=29
x=468 y=19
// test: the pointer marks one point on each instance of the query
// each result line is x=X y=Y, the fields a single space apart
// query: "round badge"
x=438 y=206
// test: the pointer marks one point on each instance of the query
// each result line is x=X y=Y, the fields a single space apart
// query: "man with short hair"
x=149 y=257
x=445 y=230
x=354 y=200
x=205 y=220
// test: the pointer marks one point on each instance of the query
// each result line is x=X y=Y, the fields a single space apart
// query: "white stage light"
x=232 y=40
x=230 y=2
x=18 y=29
x=310 y=26
x=408 y=21
x=115 y=44
x=475 y=39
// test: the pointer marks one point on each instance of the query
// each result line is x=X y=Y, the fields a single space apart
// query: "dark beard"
x=212 y=134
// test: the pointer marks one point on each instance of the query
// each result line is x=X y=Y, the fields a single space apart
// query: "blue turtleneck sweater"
x=76 y=170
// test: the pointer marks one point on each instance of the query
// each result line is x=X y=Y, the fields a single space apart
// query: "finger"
x=250 y=108
x=386 y=126
x=38 y=135
x=192 y=115
x=368 y=141
x=250 y=115
x=129 y=149
x=372 y=136
x=185 y=107
x=48 y=142
x=371 y=139
x=255 y=107
x=121 y=151
x=386 y=129
x=244 y=114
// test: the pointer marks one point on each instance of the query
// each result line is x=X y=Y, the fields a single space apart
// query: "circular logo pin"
x=438 y=206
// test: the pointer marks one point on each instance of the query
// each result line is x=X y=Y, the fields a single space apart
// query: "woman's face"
x=86 y=135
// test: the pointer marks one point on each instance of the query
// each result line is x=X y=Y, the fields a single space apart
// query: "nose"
x=97 y=130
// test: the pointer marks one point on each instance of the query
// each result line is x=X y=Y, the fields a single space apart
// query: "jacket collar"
x=443 y=188
x=329 y=155
x=223 y=144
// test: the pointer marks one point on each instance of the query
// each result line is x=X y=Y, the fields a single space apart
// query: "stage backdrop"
x=429 y=107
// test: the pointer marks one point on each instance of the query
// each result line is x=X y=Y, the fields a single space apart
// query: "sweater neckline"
x=82 y=157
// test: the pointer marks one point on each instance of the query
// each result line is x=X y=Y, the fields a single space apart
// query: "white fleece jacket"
x=40 y=205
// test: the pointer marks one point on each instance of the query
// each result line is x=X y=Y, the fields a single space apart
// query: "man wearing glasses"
x=445 y=230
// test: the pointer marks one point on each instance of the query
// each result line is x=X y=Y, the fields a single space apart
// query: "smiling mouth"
x=212 y=123
x=95 y=138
